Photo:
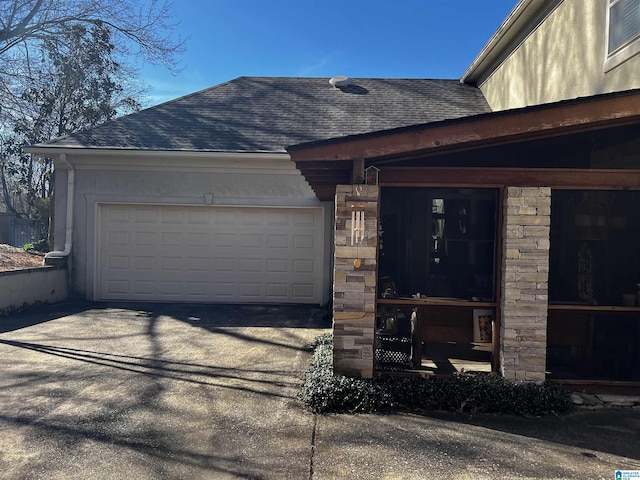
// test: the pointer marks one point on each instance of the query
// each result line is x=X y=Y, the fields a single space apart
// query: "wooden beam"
x=326 y=171
x=321 y=164
x=357 y=173
x=325 y=193
x=531 y=123
x=517 y=177
x=327 y=178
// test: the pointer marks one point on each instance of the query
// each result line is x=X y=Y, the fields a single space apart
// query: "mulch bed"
x=14 y=258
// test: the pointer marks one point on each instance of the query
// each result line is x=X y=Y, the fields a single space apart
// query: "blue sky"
x=324 y=38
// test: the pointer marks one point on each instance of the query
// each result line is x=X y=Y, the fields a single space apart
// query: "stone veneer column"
x=354 y=289
x=525 y=274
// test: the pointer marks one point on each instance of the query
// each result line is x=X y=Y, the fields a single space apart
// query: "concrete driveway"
x=101 y=391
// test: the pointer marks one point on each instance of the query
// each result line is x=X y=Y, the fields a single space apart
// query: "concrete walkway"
x=116 y=391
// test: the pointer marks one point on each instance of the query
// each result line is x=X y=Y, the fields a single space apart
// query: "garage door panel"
x=144 y=216
x=304 y=290
x=171 y=239
x=117 y=262
x=250 y=289
x=171 y=216
x=119 y=215
x=253 y=218
x=223 y=265
x=277 y=290
x=224 y=240
x=251 y=240
x=303 y=242
x=277 y=241
x=198 y=217
x=170 y=263
x=251 y=265
x=243 y=254
x=144 y=263
x=278 y=219
x=117 y=287
x=197 y=289
x=144 y=239
x=304 y=219
x=303 y=266
x=198 y=239
x=169 y=288
x=144 y=287
x=274 y=265
x=118 y=238
x=224 y=290
x=197 y=264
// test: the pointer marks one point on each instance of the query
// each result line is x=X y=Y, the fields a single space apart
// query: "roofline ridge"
x=295 y=77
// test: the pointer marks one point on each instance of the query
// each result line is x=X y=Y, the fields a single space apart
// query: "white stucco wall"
x=563 y=58
x=23 y=288
x=173 y=180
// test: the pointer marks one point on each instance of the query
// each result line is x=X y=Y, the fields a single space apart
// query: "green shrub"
x=322 y=391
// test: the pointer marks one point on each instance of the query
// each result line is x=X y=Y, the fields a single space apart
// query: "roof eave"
x=327 y=164
x=54 y=151
x=561 y=118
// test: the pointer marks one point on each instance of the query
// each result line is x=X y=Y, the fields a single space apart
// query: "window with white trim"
x=624 y=23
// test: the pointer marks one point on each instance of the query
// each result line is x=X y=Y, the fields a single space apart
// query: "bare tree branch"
x=67 y=65
x=71 y=82
x=147 y=26
x=10 y=32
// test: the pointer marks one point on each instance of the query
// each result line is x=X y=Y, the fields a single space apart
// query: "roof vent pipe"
x=69 y=230
x=340 y=81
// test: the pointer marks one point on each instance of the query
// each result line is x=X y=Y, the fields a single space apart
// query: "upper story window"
x=624 y=23
x=624 y=31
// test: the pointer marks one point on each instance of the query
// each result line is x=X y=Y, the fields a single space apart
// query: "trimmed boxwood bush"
x=322 y=391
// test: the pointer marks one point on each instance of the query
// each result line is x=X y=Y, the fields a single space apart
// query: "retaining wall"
x=32 y=286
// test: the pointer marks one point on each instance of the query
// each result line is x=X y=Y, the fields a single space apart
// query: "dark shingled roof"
x=266 y=114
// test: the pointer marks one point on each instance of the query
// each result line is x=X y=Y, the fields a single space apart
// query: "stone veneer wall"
x=525 y=274
x=354 y=289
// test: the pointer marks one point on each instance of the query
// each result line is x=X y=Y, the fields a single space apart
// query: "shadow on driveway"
x=95 y=390
x=202 y=315
x=41 y=314
x=613 y=431
x=124 y=390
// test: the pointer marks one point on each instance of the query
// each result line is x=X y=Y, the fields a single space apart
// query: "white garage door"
x=210 y=254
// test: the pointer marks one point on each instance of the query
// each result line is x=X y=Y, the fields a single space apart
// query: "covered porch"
x=503 y=242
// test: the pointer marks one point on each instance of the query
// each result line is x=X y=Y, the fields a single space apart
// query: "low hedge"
x=322 y=391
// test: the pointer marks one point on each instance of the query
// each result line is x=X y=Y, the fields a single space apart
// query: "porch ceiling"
x=328 y=163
